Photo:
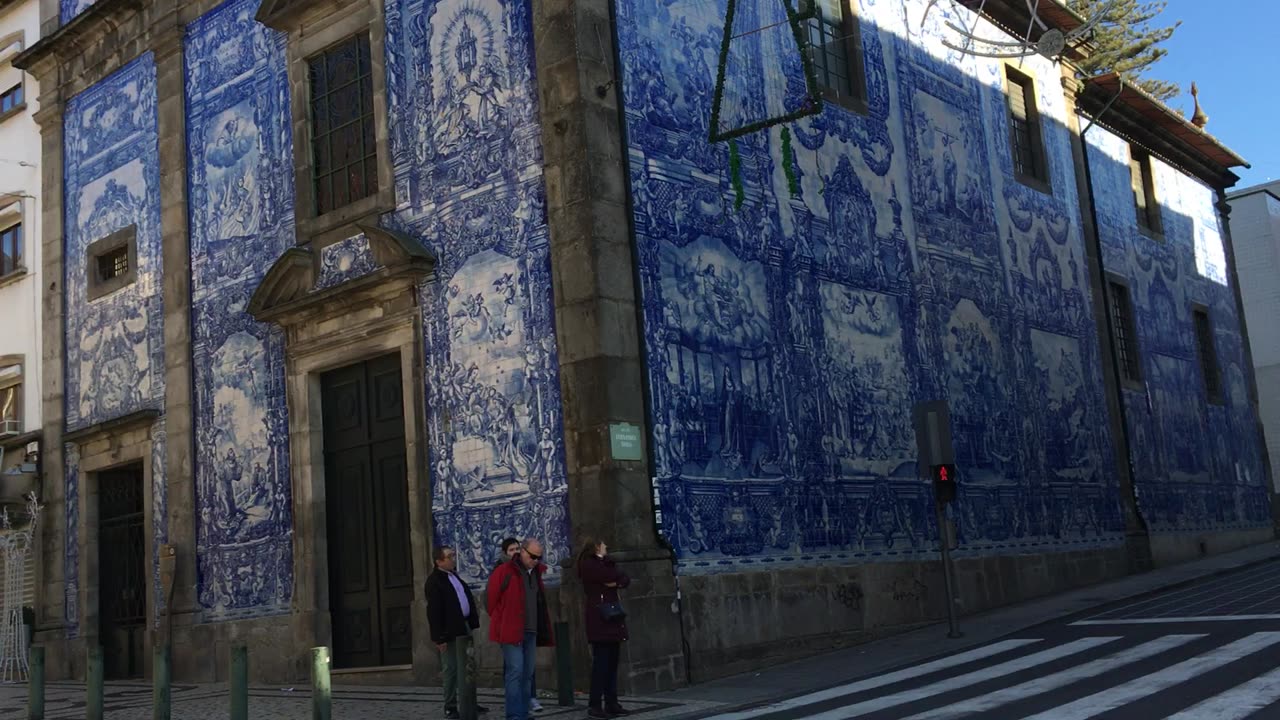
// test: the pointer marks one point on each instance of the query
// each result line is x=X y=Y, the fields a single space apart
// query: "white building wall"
x=20 y=202
x=1255 y=232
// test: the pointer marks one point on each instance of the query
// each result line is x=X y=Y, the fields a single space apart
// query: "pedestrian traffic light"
x=944 y=481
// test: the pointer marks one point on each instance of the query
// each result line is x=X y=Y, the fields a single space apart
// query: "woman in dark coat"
x=601 y=580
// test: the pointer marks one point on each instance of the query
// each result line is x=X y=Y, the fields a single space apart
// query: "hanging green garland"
x=788 y=163
x=735 y=175
x=811 y=105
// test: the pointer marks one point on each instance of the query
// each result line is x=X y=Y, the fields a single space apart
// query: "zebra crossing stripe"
x=1120 y=695
x=962 y=681
x=1238 y=702
x=1057 y=680
x=879 y=681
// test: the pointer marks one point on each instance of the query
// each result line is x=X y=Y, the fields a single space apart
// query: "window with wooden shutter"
x=1026 y=140
x=1208 y=353
x=1142 y=183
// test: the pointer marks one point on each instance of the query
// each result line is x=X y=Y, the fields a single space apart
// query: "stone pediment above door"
x=368 y=273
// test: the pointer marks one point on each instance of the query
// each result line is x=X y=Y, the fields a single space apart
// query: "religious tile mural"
x=1198 y=464
x=115 y=343
x=241 y=219
x=345 y=260
x=466 y=146
x=69 y=9
x=71 y=538
x=793 y=319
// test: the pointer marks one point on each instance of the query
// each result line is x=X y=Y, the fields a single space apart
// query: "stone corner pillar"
x=598 y=332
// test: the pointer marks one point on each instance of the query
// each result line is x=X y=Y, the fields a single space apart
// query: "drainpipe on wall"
x=1224 y=221
x=646 y=391
x=1143 y=560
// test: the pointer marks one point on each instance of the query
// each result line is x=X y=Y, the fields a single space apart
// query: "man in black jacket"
x=452 y=614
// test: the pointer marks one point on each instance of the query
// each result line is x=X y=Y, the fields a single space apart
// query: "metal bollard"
x=466 y=683
x=93 y=684
x=161 y=695
x=35 y=687
x=564 y=664
x=321 y=690
x=240 y=683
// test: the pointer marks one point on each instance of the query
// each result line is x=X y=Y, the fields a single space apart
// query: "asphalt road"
x=1207 y=651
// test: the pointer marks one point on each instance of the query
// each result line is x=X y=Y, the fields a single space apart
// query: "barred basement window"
x=1124 y=332
x=835 y=47
x=1208 y=353
x=1026 y=140
x=343 y=144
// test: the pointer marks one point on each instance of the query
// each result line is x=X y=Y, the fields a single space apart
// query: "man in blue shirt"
x=452 y=614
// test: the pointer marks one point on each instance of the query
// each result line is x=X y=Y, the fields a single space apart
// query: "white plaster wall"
x=20 y=143
x=1255 y=232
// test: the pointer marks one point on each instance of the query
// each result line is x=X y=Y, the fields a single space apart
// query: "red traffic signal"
x=943 y=473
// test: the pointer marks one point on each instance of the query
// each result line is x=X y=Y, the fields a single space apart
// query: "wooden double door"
x=367 y=508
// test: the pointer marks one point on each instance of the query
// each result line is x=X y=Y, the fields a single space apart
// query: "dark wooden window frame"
x=1207 y=353
x=100 y=286
x=822 y=33
x=1124 y=332
x=1142 y=181
x=1026 y=144
x=357 y=176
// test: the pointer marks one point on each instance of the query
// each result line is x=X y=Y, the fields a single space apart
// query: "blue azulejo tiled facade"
x=240 y=169
x=799 y=291
x=1198 y=463
x=788 y=338
x=466 y=145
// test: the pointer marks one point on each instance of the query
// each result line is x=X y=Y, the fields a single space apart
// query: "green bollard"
x=93 y=684
x=466 y=684
x=35 y=687
x=240 y=683
x=321 y=690
x=161 y=695
x=564 y=664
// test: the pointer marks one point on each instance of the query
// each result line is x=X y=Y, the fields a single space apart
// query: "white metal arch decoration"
x=1052 y=42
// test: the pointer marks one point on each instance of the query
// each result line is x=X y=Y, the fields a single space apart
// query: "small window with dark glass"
x=1208 y=353
x=344 y=150
x=11 y=99
x=1125 y=336
x=1026 y=140
x=112 y=262
x=835 y=46
x=1142 y=182
x=10 y=249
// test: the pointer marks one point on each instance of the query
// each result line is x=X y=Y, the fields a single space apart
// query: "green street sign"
x=624 y=441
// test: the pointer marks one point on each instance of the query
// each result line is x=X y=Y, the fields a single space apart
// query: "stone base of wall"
x=745 y=621
x=1174 y=548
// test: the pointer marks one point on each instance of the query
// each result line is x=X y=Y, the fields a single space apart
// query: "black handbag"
x=611 y=611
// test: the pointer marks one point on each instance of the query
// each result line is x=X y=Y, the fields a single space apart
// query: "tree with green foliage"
x=1127 y=41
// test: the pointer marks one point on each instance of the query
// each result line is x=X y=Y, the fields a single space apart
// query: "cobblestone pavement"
x=132 y=701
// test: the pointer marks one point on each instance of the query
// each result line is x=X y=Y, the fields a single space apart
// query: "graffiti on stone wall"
x=466 y=148
x=788 y=339
x=241 y=220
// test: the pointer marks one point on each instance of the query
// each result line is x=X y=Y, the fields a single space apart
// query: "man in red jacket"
x=519 y=622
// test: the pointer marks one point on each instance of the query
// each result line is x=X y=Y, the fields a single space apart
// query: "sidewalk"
x=132 y=701
x=910 y=648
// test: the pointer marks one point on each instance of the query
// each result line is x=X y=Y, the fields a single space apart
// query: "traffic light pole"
x=948 y=572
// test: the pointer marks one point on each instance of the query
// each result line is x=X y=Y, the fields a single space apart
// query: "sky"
x=1230 y=49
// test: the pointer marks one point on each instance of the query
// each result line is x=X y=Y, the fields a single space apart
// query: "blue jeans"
x=517 y=675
